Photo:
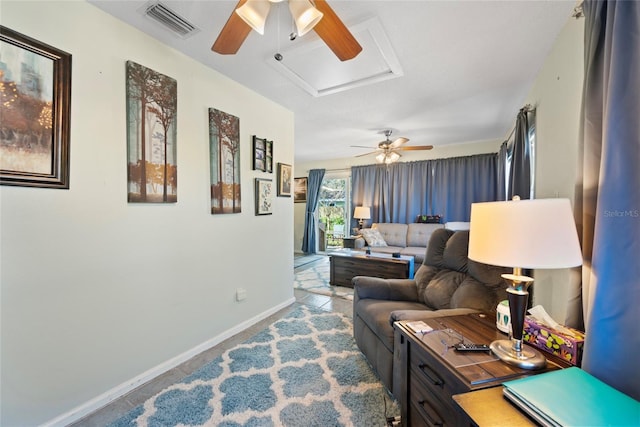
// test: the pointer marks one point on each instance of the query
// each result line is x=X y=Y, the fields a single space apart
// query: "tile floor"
x=121 y=406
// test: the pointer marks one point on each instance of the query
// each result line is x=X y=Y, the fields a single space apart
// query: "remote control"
x=472 y=347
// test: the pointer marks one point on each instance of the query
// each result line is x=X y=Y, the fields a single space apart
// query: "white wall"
x=557 y=96
x=96 y=291
x=345 y=164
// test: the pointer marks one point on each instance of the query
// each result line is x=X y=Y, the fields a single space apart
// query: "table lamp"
x=361 y=213
x=529 y=234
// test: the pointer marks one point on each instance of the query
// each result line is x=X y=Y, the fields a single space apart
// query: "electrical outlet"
x=241 y=294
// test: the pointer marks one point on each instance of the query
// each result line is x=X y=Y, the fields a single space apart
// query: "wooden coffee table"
x=346 y=264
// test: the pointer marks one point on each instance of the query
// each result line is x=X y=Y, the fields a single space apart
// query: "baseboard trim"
x=118 y=391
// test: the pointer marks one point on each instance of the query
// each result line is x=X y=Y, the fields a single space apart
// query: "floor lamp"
x=523 y=234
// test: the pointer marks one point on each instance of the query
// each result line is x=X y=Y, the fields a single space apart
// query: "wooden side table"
x=349 y=242
x=428 y=372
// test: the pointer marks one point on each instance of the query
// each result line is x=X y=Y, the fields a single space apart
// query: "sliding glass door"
x=333 y=212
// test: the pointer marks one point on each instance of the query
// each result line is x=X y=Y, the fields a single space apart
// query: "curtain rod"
x=337 y=170
x=577 y=11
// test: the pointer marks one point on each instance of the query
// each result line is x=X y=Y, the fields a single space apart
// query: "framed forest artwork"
x=151 y=136
x=264 y=196
x=35 y=111
x=284 y=180
x=224 y=152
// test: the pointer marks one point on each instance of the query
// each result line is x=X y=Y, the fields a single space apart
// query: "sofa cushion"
x=375 y=314
x=419 y=234
x=373 y=237
x=435 y=251
x=456 y=250
x=416 y=253
x=439 y=291
x=473 y=294
x=394 y=234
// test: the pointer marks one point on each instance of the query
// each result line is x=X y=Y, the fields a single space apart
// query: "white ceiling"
x=466 y=67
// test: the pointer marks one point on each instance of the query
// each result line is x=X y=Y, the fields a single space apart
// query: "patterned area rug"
x=304 y=370
x=316 y=279
x=299 y=261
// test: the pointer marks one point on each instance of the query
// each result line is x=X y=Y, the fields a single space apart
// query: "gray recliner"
x=447 y=283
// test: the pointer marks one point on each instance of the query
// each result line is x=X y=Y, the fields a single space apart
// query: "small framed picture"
x=268 y=159
x=264 y=196
x=284 y=180
x=300 y=190
x=262 y=155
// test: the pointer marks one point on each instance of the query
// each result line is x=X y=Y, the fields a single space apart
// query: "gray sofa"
x=408 y=239
x=447 y=283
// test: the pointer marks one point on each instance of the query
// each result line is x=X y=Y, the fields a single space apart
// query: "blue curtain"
x=313 y=193
x=502 y=171
x=520 y=172
x=370 y=187
x=608 y=197
x=460 y=181
x=402 y=191
x=415 y=179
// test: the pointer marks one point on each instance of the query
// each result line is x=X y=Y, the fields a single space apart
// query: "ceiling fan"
x=388 y=150
x=252 y=14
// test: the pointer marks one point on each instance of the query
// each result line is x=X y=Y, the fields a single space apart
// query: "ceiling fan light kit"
x=252 y=14
x=255 y=13
x=388 y=150
x=388 y=158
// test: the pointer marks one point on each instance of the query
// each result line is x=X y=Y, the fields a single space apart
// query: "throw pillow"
x=373 y=237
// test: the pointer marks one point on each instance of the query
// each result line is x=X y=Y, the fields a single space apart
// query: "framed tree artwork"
x=284 y=180
x=35 y=112
x=224 y=151
x=151 y=136
x=300 y=190
x=264 y=196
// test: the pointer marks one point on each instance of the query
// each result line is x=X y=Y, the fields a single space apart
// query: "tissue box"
x=554 y=342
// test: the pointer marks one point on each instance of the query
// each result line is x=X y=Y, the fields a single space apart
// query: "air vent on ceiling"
x=170 y=19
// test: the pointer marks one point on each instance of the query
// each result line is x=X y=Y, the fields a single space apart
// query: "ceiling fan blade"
x=360 y=146
x=335 y=34
x=366 y=154
x=415 y=147
x=398 y=142
x=233 y=34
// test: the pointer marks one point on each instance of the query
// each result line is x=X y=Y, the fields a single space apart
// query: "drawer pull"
x=435 y=380
x=433 y=421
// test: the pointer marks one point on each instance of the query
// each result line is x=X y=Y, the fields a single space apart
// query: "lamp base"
x=528 y=358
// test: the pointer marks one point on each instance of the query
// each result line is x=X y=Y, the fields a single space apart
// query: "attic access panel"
x=314 y=67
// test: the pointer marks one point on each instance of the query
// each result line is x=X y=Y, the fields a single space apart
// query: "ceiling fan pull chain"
x=278 y=55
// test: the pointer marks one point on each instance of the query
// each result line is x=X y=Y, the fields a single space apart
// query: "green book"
x=572 y=397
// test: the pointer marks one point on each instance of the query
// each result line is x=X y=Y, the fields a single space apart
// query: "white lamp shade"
x=362 y=212
x=305 y=15
x=254 y=13
x=538 y=233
